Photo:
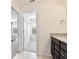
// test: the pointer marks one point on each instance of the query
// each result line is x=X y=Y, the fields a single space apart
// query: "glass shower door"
x=30 y=32
x=14 y=32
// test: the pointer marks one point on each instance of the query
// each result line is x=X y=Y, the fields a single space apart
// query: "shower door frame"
x=24 y=31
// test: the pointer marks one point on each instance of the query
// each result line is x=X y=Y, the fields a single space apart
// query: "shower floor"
x=25 y=55
x=31 y=46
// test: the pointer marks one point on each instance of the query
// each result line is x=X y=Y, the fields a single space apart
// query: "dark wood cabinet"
x=64 y=46
x=58 y=49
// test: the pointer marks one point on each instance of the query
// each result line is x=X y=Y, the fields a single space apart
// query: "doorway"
x=30 y=32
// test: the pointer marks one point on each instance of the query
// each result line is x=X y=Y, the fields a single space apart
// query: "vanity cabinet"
x=58 y=49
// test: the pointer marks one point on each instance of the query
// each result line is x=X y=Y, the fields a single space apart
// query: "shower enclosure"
x=14 y=32
x=23 y=34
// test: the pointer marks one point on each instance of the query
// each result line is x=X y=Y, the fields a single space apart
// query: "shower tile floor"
x=31 y=46
x=30 y=55
x=25 y=55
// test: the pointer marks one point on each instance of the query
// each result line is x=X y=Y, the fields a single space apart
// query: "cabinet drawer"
x=64 y=46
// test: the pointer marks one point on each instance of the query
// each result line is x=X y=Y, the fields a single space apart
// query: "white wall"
x=49 y=15
x=49 y=22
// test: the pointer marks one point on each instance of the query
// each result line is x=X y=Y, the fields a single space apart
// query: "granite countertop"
x=60 y=36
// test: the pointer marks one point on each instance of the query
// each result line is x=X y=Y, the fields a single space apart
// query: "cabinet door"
x=63 y=50
x=61 y=57
x=64 y=46
x=63 y=54
x=57 y=47
x=56 y=53
x=56 y=57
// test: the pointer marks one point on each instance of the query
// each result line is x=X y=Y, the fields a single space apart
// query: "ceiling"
x=26 y=3
x=23 y=3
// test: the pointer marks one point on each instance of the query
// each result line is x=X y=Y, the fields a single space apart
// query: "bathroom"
x=32 y=23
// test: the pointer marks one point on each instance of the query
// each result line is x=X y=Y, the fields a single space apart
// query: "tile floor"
x=30 y=55
x=31 y=46
x=44 y=57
